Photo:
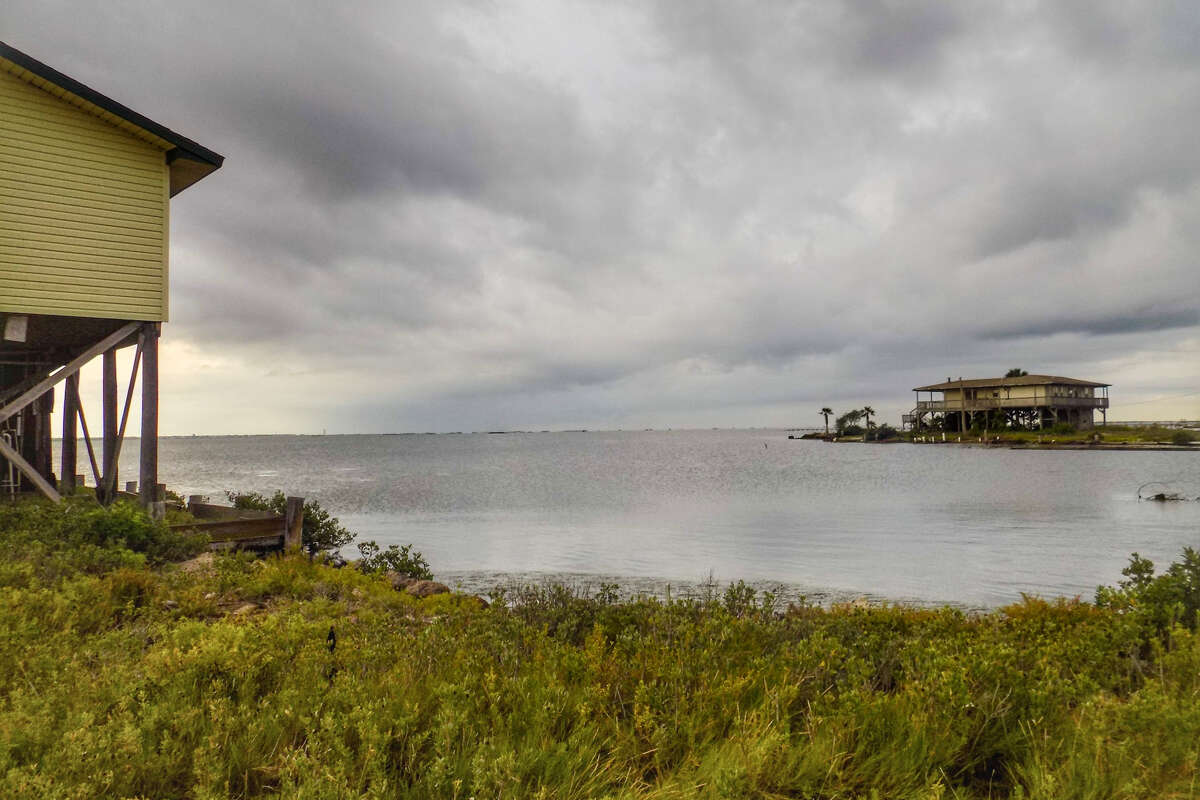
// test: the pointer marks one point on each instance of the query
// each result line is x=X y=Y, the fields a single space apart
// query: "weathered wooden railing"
x=242 y=528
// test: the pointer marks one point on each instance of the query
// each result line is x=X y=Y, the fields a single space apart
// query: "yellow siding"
x=83 y=211
x=1024 y=392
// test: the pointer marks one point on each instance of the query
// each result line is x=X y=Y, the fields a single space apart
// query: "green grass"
x=1111 y=434
x=122 y=675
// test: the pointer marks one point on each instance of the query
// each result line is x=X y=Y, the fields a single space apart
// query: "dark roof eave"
x=184 y=147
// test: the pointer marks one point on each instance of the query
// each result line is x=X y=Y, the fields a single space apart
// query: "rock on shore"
x=417 y=588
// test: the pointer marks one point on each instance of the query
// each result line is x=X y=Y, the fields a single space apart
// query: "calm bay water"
x=927 y=524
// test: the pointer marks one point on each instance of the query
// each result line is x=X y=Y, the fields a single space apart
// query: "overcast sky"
x=461 y=216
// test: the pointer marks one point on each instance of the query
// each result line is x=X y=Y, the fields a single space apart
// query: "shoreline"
x=1016 y=445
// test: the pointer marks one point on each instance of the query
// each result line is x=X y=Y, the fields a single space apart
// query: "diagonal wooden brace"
x=71 y=367
x=28 y=471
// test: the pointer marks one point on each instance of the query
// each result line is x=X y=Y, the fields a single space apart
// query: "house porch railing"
x=988 y=403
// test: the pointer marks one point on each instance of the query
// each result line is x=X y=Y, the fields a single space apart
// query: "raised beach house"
x=85 y=188
x=1029 y=401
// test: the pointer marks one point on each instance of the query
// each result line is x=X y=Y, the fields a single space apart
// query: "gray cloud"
x=461 y=215
x=1137 y=321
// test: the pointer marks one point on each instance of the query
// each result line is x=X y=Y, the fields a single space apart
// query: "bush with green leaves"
x=1162 y=601
x=321 y=530
x=403 y=560
x=1182 y=438
x=885 y=432
x=79 y=535
x=847 y=424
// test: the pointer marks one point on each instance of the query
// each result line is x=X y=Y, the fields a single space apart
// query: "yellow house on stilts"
x=85 y=188
x=1028 y=401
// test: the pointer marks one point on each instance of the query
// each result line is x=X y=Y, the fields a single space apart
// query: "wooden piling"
x=293 y=538
x=148 y=465
x=110 y=421
x=44 y=433
x=158 y=508
x=70 y=436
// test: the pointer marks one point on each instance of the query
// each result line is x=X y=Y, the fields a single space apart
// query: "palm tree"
x=867 y=412
x=826 y=412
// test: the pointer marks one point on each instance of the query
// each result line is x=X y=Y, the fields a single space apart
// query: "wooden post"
x=158 y=509
x=148 y=468
x=28 y=442
x=70 y=436
x=293 y=537
x=108 y=405
x=44 y=436
x=962 y=398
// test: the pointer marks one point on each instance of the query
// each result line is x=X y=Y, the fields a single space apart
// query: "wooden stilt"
x=109 y=422
x=110 y=486
x=70 y=437
x=44 y=436
x=28 y=442
x=148 y=469
x=158 y=509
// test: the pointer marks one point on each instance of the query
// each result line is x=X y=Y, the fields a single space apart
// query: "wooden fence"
x=242 y=528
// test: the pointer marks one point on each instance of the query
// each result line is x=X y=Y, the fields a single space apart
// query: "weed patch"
x=122 y=676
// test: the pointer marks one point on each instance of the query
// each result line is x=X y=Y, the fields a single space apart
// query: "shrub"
x=79 y=535
x=321 y=530
x=404 y=560
x=886 y=431
x=156 y=684
x=1183 y=438
x=847 y=424
x=1159 y=600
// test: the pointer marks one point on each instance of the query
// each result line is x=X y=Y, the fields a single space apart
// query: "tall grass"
x=122 y=677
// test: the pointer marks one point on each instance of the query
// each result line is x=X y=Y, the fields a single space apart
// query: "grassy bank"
x=1065 y=434
x=123 y=675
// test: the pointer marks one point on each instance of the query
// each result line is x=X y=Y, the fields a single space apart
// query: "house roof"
x=187 y=160
x=1024 y=380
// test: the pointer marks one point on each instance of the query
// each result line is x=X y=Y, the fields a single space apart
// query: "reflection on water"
x=908 y=522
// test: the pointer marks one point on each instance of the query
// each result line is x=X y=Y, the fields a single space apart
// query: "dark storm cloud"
x=888 y=40
x=421 y=124
x=1136 y=322
x=461 y=215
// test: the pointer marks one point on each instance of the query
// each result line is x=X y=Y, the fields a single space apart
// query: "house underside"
x=40 y=359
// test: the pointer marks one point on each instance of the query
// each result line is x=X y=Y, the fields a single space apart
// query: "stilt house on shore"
x=85 y=188
x=1028 y=401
